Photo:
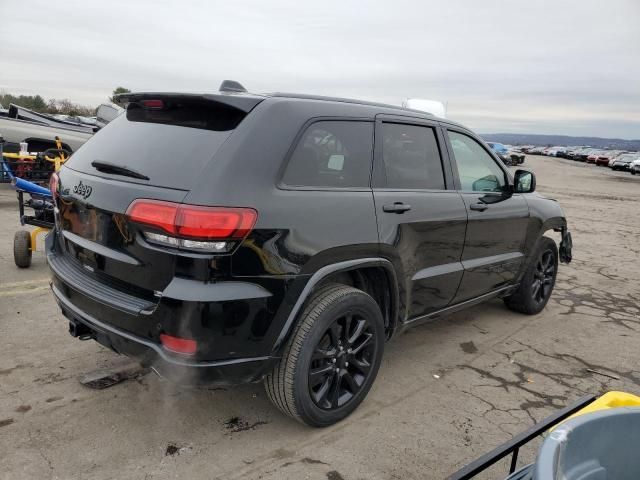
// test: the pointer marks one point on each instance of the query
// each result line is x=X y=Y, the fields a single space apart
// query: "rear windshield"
x=171 y=147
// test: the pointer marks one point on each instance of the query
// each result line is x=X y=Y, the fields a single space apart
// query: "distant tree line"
x=38 y=104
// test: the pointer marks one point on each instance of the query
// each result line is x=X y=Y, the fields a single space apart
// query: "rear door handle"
x=397 y=207
x=480 y=207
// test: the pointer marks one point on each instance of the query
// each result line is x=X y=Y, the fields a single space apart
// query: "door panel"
x=497 y=218
x=494 y=245
x=421 y=225
x=425 y=245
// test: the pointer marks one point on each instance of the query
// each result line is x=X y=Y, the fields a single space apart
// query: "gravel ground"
x=446 y=392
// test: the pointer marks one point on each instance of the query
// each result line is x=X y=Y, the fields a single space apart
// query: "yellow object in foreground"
x=609 y=400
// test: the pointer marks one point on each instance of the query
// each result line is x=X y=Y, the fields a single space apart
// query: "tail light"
x=192 y=227
x=53 y=185
x=178 y=345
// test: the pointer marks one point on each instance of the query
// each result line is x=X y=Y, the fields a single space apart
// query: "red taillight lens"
x=53 y=185
x=214 y=222
x=192 y=221
x=178 y=345
x=156 y=213
x=155 y=104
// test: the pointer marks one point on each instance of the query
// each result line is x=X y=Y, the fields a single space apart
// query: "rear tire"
x=331 y=359
x=22 y=248
x=538 y=280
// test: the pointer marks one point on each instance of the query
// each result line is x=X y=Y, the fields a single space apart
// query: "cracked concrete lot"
x=447 y=392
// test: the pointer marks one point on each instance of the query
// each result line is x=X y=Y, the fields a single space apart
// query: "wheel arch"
x=376 y=276
x=549 y=225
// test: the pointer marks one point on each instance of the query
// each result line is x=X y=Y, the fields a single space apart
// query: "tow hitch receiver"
x=80 y=330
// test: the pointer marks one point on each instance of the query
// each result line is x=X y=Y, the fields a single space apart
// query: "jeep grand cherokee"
x=232 y=237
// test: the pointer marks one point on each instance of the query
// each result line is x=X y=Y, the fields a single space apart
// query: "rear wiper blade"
x=114 y=169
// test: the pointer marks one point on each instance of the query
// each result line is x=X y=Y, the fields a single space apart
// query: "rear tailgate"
x=166 y=147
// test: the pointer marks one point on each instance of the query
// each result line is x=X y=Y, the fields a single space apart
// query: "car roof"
x=246 y=101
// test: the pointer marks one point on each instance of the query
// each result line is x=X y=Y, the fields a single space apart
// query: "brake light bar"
x=193 y=227
x=154 y=104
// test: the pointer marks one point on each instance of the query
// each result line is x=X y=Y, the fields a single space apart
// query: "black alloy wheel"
x=538 y=280
x=341 y=361
x=543 y=276
x=332 y=358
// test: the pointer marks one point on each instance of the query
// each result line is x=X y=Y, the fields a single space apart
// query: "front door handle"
x=397 y=207
x=480 y=207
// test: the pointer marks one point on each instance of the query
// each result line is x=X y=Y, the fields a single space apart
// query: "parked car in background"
x=499 y=148
x=554 y=151
x=19 y=124
x=107 y=112
x=605 y=158
x=509 y=155
x=536 y=150
x=634 y=168
x=623 y=162
x=515 y=156
x=583 y=154
x=39 y=131
x=593 y=155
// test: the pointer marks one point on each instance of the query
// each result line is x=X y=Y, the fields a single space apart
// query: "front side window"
x=332 y=154
x=411 y=157
x=477 y=170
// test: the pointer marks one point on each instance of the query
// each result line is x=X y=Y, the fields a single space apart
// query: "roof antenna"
x=232 y=86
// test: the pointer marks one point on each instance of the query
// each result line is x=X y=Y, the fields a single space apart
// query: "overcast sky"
x=550 y=66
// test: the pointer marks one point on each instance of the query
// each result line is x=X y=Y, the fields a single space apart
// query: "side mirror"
x=524 y=182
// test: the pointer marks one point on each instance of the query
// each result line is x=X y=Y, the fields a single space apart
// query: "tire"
x=290 y=386
x=538 y=280
x=633 y=172
x=22 y=248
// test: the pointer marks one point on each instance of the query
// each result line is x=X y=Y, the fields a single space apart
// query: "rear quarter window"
x=332 y=154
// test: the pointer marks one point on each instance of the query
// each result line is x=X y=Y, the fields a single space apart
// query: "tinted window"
x=477 y=170
x=411 y=157
x=169 y=155
x=332 y=154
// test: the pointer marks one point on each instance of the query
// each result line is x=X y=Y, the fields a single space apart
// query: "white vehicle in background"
x=434 y=107
x=624 y=161
x=553 y=151
x=635 y=166
x=38 y=130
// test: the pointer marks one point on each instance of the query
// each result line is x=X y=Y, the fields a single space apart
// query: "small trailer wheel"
x=22 y=248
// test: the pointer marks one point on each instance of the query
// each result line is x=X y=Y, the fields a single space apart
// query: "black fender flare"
x=557 y=224
x=331 y=269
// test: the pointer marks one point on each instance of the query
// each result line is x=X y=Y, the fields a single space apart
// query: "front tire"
x=332 y=358
x=538 y=280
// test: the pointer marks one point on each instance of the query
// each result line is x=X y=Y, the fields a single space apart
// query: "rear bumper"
x=177 y=368
x=230 y=321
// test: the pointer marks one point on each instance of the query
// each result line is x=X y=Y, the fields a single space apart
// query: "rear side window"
x=332 y=154
x=411 y=157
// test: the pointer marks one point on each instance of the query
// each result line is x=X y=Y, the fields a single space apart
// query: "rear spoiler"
x=243 y=102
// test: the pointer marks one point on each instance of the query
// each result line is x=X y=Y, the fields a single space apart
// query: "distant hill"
x=552 y=140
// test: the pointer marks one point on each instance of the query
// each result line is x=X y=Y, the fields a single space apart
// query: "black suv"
x=230 y=238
